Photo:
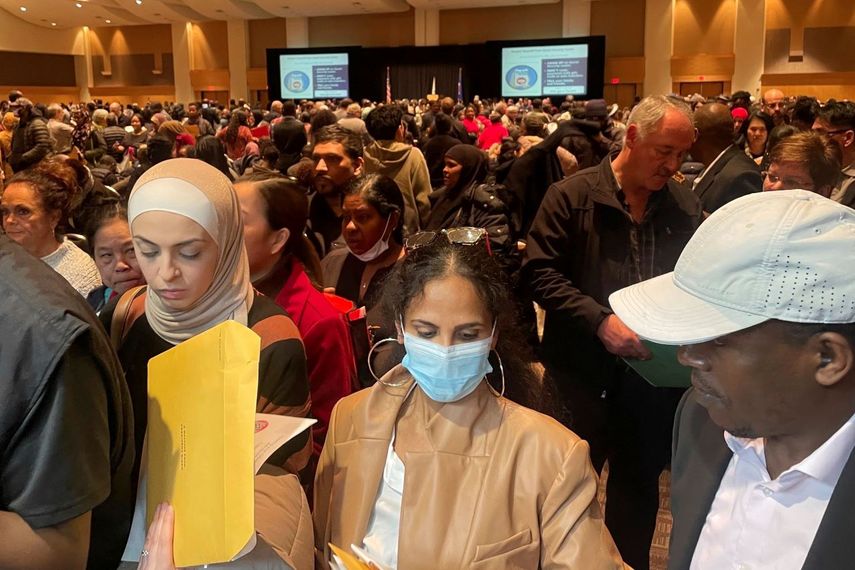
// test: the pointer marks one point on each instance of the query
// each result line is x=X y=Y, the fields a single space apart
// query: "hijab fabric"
x=197 y=190
x=289 y=136
x=474 y=163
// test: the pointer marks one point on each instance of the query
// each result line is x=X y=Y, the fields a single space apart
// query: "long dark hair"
x=287 y=206
x=383 y=194
x=237 y=120
x=473 y=263
x=742 y=138
x=211 y=150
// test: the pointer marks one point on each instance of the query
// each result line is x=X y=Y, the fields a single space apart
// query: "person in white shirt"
x=762 y=302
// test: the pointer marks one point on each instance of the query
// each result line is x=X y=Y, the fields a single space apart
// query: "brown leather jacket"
x=489 y=484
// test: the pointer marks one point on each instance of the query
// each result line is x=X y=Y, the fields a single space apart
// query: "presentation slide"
x=313 y=75
x=544 y=70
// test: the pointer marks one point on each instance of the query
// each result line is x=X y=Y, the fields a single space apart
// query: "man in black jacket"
x=729 y=173
x=31 y=139
x=602 y=229
x=761 y=302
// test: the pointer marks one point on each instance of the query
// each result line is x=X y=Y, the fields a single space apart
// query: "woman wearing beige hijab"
x=188 y=235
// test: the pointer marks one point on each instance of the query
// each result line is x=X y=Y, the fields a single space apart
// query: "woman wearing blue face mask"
x=433 y=467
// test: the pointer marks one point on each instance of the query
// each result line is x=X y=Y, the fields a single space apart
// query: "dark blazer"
x=733 y=176
x=699 y=460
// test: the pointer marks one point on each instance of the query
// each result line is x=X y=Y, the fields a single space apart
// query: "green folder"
x=663 y=370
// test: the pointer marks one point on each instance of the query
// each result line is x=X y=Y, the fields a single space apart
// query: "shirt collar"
x=700 y=177
x=825 y=464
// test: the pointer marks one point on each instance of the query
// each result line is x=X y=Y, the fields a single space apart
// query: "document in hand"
x=201 y=427
x=662 y=370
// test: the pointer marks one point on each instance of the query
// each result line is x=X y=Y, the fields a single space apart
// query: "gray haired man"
x=602 y=229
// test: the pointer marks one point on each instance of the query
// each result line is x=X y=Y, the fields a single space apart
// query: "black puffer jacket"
x=30 y=143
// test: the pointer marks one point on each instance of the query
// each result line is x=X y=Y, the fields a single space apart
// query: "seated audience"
x=762 y=471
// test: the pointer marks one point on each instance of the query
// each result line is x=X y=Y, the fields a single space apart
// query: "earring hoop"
x=371 y=368
x=502 y=370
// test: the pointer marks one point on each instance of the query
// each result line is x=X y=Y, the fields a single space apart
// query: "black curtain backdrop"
x=412 y=69
x=414 y=80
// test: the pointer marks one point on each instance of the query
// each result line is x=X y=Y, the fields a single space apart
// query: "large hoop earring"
x=371 y=368
x=502 y=370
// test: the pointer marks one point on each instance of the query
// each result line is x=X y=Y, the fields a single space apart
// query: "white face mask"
x=376 y=250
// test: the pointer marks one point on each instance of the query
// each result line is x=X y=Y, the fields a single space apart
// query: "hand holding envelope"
x=205 y=442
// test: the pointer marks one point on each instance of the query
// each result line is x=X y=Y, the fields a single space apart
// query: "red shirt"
x=492 y=135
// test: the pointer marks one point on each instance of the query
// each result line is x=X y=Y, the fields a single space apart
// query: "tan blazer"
x=488 y=483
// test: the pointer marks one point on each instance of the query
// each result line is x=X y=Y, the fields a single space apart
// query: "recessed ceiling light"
x=139 y=2
x=23 y=8
x=53 y=24
x=78 y=4
x=109 y=21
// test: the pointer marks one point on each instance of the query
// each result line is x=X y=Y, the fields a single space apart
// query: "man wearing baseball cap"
x=762 y=304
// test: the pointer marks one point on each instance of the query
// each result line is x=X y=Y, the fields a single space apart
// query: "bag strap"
x=122 y=318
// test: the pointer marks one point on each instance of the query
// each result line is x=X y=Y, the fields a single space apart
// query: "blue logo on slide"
x=296 y=81
x=521 y=77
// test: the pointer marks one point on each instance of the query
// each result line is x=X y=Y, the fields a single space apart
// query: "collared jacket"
x=579 y=251
x=488 y=484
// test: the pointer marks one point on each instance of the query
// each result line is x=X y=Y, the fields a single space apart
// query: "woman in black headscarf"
x=289 y=136
x=464 y=200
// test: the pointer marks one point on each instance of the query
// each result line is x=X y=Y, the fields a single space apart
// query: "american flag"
x=388 y=86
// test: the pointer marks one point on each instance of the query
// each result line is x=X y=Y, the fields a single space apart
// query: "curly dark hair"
x=473 y=263
x=57 y=190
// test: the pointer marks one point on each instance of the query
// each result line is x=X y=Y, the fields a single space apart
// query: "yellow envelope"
x=201 y=426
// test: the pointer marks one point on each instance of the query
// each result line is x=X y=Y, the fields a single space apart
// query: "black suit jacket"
x=699 y=460
x=732 y=176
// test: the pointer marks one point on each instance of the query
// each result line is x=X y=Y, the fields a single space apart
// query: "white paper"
x=272 y=432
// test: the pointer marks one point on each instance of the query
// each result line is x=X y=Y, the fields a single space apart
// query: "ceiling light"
x=23 y=8
x=139 y=2
x=78 y=4
x=53 y=24
x=109 y=21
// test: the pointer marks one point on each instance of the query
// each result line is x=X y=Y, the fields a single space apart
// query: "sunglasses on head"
x=458 y=236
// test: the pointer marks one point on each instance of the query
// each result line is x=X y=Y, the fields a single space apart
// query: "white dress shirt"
x=756 y=522
x=381 y=536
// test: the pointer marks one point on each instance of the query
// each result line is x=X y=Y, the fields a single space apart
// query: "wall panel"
x=528 y=22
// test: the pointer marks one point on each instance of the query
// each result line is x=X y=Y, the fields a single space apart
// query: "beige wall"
x=210 y=45
x=264 y=34
x=703 y=26
x=368 y=30
x=477 y=25
x=821 y=33
x=122 y=40
x=622 y=22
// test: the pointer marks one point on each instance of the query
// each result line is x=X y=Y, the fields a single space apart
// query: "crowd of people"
x=453 y=291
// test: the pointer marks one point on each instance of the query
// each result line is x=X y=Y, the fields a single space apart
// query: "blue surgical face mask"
x=447 y=373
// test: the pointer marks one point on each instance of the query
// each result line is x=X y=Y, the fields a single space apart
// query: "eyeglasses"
x=458 y=236
x=787 y=182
